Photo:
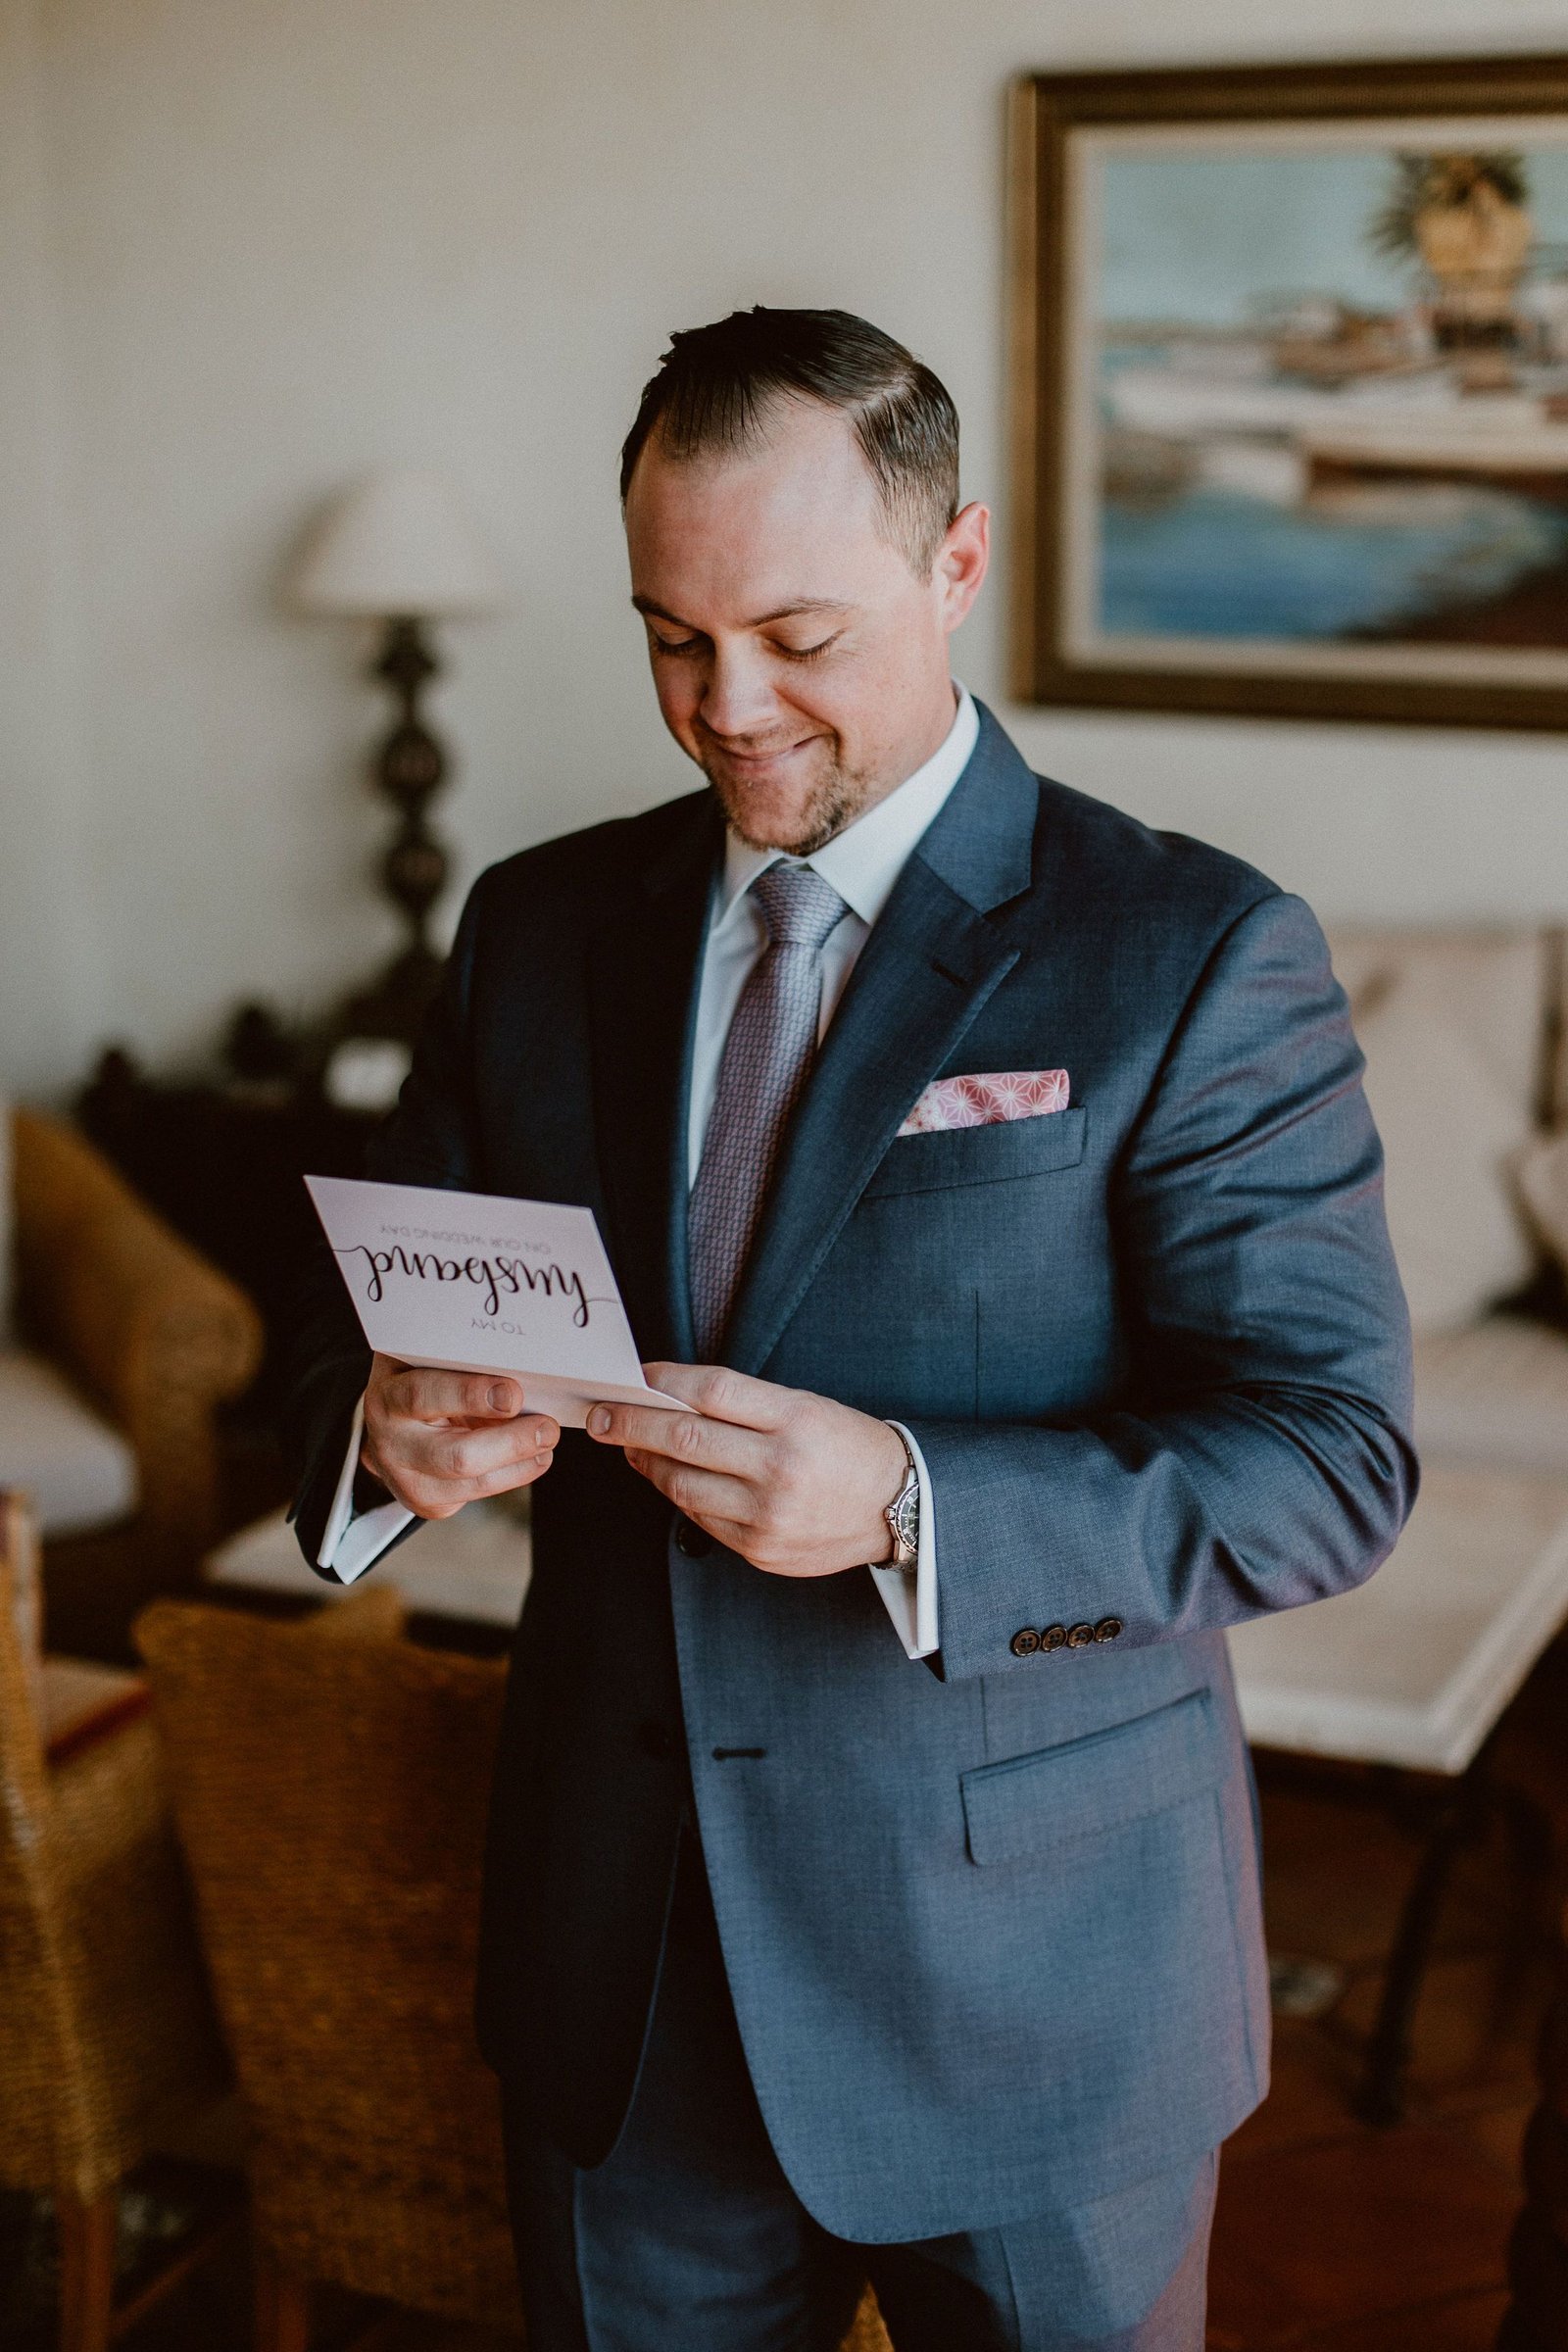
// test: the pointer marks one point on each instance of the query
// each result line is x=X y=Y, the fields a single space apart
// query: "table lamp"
x=399 y=548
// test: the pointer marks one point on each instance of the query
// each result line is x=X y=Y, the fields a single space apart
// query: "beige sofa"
x=1467 y=1075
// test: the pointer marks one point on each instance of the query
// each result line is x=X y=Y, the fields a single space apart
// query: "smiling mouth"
x=759 y=760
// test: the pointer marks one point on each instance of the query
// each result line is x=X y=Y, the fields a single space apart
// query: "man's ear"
x=962 y=562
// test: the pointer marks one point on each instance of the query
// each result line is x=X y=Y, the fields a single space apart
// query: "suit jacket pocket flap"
x=1030 y=1805
x=928 y=1163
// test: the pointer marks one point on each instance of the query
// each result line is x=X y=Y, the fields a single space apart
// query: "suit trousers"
x=689 y=2237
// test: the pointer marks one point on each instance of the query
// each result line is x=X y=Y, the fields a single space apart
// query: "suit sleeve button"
x=1107 y=1629
x=1079 y=1637
x=1026 y=1642
x=1053 y=1636
x=693 y=1542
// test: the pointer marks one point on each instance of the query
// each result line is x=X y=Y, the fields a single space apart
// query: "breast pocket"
x=1009 y=1149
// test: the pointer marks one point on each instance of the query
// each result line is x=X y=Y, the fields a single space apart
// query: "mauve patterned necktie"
x=767 y=1057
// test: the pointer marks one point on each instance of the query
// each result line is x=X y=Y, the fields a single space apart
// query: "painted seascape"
x=1330 y=399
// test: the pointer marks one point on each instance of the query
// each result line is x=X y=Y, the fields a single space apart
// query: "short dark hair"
x=715 y=383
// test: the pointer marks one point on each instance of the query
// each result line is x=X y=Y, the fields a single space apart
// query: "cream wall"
x=248 y=247
x=50 y=970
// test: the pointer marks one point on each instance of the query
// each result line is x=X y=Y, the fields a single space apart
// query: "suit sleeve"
x=1263 y=1458
x=429 y=1140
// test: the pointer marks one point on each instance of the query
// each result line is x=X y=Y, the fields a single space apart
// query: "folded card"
x=471 y=1281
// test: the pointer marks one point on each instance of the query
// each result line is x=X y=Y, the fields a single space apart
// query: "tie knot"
x=798 y=907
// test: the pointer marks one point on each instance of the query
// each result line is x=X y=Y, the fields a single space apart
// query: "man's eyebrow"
x=805 y=603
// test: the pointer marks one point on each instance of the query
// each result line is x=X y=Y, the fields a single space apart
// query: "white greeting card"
x=470 y=1281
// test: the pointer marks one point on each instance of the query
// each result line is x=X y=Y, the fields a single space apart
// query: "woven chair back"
x=331 y=1799
x=106 y=2029
x=39 y=2050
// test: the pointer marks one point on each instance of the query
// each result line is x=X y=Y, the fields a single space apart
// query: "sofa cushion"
x=79 y=1471
x=1496 y=1393
x=1491 y=985
x=1453 y=1114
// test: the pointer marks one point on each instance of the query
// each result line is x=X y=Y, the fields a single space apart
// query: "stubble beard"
x=835 y=800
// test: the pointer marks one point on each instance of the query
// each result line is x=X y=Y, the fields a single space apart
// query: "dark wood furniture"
x=223 y=1161
x=1538 y=2257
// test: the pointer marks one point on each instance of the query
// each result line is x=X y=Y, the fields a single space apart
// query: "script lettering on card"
x=493 y=1275
x=473 y=1282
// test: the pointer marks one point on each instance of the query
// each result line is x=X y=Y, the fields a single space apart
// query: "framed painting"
x=1289 y=381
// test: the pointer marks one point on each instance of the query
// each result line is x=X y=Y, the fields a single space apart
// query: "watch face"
x=905 y=1518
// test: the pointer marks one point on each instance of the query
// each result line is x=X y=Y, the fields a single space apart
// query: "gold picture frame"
x=1290 y=390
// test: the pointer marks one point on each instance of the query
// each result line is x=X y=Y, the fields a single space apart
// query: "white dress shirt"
x=862 y=863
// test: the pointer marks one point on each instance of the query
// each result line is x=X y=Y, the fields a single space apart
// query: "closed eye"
x=674 y=645
x=810 y=653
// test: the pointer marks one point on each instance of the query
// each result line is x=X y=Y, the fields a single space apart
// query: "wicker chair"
x=106 y=2030
x=157 y=1339
x=867 y=2335
x=331 y=1799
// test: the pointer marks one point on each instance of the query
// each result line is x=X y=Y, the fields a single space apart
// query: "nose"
x=738 y=695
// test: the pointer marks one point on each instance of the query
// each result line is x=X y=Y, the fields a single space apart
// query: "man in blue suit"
x=873 y=1886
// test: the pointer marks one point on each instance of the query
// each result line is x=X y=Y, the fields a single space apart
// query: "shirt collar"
x=865 y=860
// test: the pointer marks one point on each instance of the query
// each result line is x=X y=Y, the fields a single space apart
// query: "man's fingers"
x=476 y=1451
x=457 y=1453
x=652 y=1427
x=701 y=1494
x=417 y=1393
x=723 y=1395
x=689 y=1437
x=444 y=1498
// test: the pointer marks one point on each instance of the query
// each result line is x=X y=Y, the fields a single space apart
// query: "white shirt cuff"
x=911 y=1600
x=355 y=1540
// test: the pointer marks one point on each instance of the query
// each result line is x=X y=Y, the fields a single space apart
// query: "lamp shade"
x=398 y=543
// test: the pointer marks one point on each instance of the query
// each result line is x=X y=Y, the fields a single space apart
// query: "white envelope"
x=470 y=1281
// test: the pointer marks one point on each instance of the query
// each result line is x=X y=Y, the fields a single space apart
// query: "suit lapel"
x=642 y=994
x=935 y=955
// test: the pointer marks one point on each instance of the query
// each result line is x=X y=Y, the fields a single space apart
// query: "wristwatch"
x=903 y=1513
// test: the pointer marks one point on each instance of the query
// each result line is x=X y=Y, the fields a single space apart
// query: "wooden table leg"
x=282 y=2307
x=88 y=2234
x=1460 y=1818
x=1463 y=1815
x=1538 y=2257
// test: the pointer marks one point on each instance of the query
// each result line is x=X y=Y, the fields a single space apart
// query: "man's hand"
x=439 y=1439
x=794 y=1482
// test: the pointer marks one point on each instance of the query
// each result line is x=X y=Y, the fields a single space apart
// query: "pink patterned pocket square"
x=987 y=1099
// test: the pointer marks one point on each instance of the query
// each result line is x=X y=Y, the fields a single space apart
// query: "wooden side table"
x=1412 y=1673
x=466 y=1576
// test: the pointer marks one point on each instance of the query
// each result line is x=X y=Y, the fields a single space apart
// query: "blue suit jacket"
x=993 y=1937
